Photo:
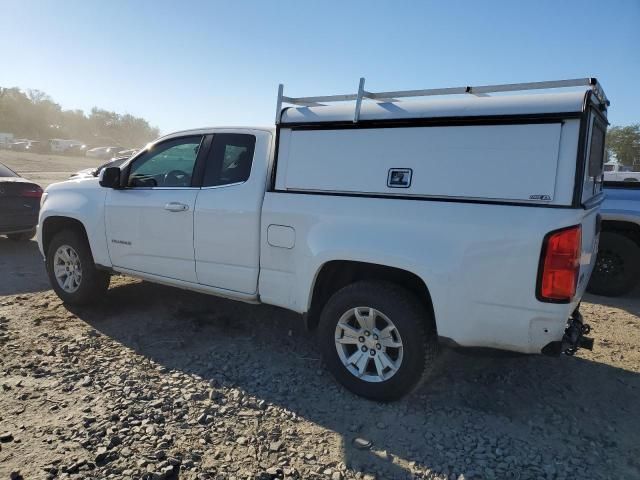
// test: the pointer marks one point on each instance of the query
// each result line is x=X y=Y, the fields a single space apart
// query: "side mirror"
x=110 y=177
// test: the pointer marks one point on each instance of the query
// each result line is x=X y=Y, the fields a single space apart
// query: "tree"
x=624 y=144
x=36 y=116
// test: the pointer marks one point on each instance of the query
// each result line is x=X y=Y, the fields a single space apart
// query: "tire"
x=22 y=236
x=617 y=268
x=92 y=284
x=414 y=329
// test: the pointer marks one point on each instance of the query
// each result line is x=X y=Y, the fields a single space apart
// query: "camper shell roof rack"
x=394 y=96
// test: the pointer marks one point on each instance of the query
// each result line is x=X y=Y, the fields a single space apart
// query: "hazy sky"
x=184 y=64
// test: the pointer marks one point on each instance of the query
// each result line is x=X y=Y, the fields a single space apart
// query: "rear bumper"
x=13 y=223
x=9 y=229
x=17 y=230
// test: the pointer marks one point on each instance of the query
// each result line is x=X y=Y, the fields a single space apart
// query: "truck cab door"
x=149 y=223
x=228 y=209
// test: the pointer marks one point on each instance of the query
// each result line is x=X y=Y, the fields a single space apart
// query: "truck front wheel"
x=617 y=268
x=377 y=339
x=71 y=270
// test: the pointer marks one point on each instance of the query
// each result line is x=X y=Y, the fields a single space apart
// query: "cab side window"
x=230 y=159
x=169 y=164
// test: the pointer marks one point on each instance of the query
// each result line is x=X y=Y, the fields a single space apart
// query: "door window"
x=168 y=164
x=230 y=159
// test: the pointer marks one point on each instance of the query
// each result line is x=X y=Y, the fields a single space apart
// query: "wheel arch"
x=624 y=227
x=333 y=275
x=55 y=224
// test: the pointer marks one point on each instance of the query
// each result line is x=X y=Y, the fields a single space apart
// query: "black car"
x=19 y=205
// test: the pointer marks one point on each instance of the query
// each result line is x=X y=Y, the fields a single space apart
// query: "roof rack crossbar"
x=393 y=96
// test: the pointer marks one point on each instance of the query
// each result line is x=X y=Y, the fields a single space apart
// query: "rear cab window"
x=230 y=159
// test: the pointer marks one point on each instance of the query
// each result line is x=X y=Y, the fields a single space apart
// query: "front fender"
x=82 y=200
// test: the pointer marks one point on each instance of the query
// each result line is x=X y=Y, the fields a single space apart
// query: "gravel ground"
x=155 y=382
x=46 y=169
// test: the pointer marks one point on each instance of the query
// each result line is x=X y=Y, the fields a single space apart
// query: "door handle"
x=176 y=207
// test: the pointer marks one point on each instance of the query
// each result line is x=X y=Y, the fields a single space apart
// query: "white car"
x=392 y=227
x=614 y=172
x=103 y=152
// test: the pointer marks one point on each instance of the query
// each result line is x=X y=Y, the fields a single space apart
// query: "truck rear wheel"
x=71 y=270
x=617 y=268
x=377 y=339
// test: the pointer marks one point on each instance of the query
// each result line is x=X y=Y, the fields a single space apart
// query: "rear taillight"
x=560 y=265
x=31 y=192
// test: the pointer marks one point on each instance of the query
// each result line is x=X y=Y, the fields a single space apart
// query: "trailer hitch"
x=575 y=335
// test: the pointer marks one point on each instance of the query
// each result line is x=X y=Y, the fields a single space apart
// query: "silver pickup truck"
x=617 y=269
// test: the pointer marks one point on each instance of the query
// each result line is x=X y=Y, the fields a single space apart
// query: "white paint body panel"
x=501 y=162
x=143 y=236
x=479 y=261
x=82 y=200
x=227 y=226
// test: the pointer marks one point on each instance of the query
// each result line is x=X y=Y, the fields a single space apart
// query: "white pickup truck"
x=391 y=226
x=615 y=172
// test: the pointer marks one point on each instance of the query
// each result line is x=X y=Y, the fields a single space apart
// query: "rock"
x=291 y=472
x=275 y=446
x=242 y=440
x=166 y=471
x=114 y=441
x=86 y=381
x=274 y=472
x=101 y=454
x=6 y=437
x=362 y=443
x=336 y=476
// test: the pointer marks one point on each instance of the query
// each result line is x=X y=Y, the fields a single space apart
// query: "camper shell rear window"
x=596 y=149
